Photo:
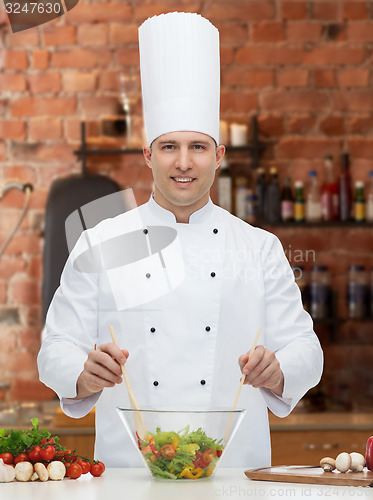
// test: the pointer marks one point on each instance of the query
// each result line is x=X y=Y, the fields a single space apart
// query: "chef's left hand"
x=262 y=370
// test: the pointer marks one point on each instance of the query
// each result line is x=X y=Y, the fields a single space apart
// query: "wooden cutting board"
x=311 y=475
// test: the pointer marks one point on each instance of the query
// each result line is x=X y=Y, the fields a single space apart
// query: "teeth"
x=183 y=179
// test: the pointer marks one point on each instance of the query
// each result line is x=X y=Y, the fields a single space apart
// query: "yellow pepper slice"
x=190 y=473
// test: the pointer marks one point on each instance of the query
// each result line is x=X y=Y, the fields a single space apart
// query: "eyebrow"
x=191 y=142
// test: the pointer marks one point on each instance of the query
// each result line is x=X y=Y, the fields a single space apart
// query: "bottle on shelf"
x=251 y=208
x=302 y=280
x=299 y=202
x=371 y=292
x=260 y=193
x=359 y=202
x=369 y=199
x=273 y=198
x=357 y=292
x=345 y=190
x=241 y=193
x=329 y=192
x=320 y=292
x=313 y=199
x=225 y=186
x=287 y=201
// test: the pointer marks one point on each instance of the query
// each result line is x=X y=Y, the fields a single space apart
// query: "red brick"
x=361 y=148
x=109 y=80
x=324 y=78
x=295 y=100
x=23 y=244
x=149 y=8
x=304 y=31
x=361 y=124
x=30 y=340
x=297 y=77
x=12 y=129
x=99 y=12
x=54 y=35
x=79 y=82
x=99 y=106
x=231 y=32
x=12 y=82
x=360 y=32
x=269 y=55
x=123 y=33
x=73 y=128
x=47 y=175
x=43 y=83
x=357 y=77
x=241 y=9
x=246 y=101
x=270 y=32
x=15 y=59
x=3 y=291
x=290 y=147
x=56 y=152
x=352 y=100
x=327 y=11
x=24 y=38
x=37 y=106
x=81 y=58
x=240 y=77
x=32 y=315
x=334 y=54
x=25 y=291
x=35 y=269
x=226 y=55
x=291 y=9
x=128 y=57
x=40 y=59
x=332 y=125
x=300 y=124
x=21 y=362
x=10 y=266
x=354 y=10
x=93 y=34
x=271 y=125
x=45 y=128
x=26 y=173
x=9 y=216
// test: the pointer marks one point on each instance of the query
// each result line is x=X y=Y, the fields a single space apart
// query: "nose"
x=184 y=161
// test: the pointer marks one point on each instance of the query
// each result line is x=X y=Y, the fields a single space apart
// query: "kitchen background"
x=302 y=68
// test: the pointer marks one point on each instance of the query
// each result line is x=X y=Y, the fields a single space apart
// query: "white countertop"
x=136 y=484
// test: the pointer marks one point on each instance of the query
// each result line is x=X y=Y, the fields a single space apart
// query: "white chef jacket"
x=188 y=341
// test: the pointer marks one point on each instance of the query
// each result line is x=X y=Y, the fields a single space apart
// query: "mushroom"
x=357 y=461
x=34 y=477
x=343 y=462
x=56 y=470
x=7 y=473
x=327 y=464
x=41 y=471
x=24 y=471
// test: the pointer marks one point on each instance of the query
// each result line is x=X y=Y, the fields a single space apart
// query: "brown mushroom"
x=327 y=464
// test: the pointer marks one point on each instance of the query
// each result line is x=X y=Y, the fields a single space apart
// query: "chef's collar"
x=198 y=217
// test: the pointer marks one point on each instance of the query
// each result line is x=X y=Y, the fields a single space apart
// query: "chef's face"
x=183 y=166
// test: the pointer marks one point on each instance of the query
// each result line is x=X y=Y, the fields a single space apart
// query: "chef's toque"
x=180 y=74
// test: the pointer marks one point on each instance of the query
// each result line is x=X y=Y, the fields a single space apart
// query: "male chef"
x=187 y=311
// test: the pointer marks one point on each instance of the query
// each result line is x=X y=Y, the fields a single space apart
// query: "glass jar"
x=320 y=292
x=357 y=292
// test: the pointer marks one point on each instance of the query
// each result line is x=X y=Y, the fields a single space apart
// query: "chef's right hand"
x=102 y=369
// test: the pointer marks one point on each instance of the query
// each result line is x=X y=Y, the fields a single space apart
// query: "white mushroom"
x=24 y=471
x=41 y=471
x=357 y=461
x=343 y=462
x=327 y=464
x=56 y=470
x=7 y=473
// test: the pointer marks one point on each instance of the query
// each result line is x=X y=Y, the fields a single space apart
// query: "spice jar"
x=320 y=292
x=357 y=292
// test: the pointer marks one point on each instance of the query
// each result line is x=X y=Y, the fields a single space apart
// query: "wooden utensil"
x=241 y=384
x=137 y=415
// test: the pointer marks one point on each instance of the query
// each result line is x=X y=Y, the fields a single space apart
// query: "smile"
x=183 y=179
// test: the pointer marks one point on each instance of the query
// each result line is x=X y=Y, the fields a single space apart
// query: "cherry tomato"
x=34 y=455
x=48 y=453
x=86 y=466
x=97 y=469
x=209 y=455
x=70 y=455
x=47 y=441
x=219 y=452
x=168 y=451
x=74 y=471
x=22 y=457
x=7 y=457
x=67 y=465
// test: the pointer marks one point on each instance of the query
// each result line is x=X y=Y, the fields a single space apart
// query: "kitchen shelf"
x=324 y=224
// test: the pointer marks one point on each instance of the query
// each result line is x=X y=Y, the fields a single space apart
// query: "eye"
x=198 y=146
x=168 y=147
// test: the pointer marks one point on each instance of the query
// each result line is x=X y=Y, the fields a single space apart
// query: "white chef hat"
x=180 y=74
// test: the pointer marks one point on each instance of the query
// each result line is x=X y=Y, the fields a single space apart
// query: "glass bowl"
x=181 y=444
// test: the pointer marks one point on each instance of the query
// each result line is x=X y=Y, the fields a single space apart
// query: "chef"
x=187 y=304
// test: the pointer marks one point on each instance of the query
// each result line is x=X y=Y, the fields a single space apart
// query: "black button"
x=215 y=231
x=148 y=275
x=155 y=383
x=152 y=329
x=203 y=382
x=145 y=231
x=207 y=328
x=213 y=275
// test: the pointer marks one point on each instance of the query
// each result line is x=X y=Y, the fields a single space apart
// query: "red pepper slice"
x=369 y=453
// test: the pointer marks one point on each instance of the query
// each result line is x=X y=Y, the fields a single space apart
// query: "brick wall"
x=303 y=67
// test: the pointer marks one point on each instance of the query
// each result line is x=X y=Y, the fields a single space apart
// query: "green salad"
x=180 y=455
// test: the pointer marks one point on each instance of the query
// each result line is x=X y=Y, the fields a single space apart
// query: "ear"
x=147 y=152
x=220 y=152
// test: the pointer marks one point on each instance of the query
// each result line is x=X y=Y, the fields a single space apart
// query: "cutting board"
x=311 y=475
